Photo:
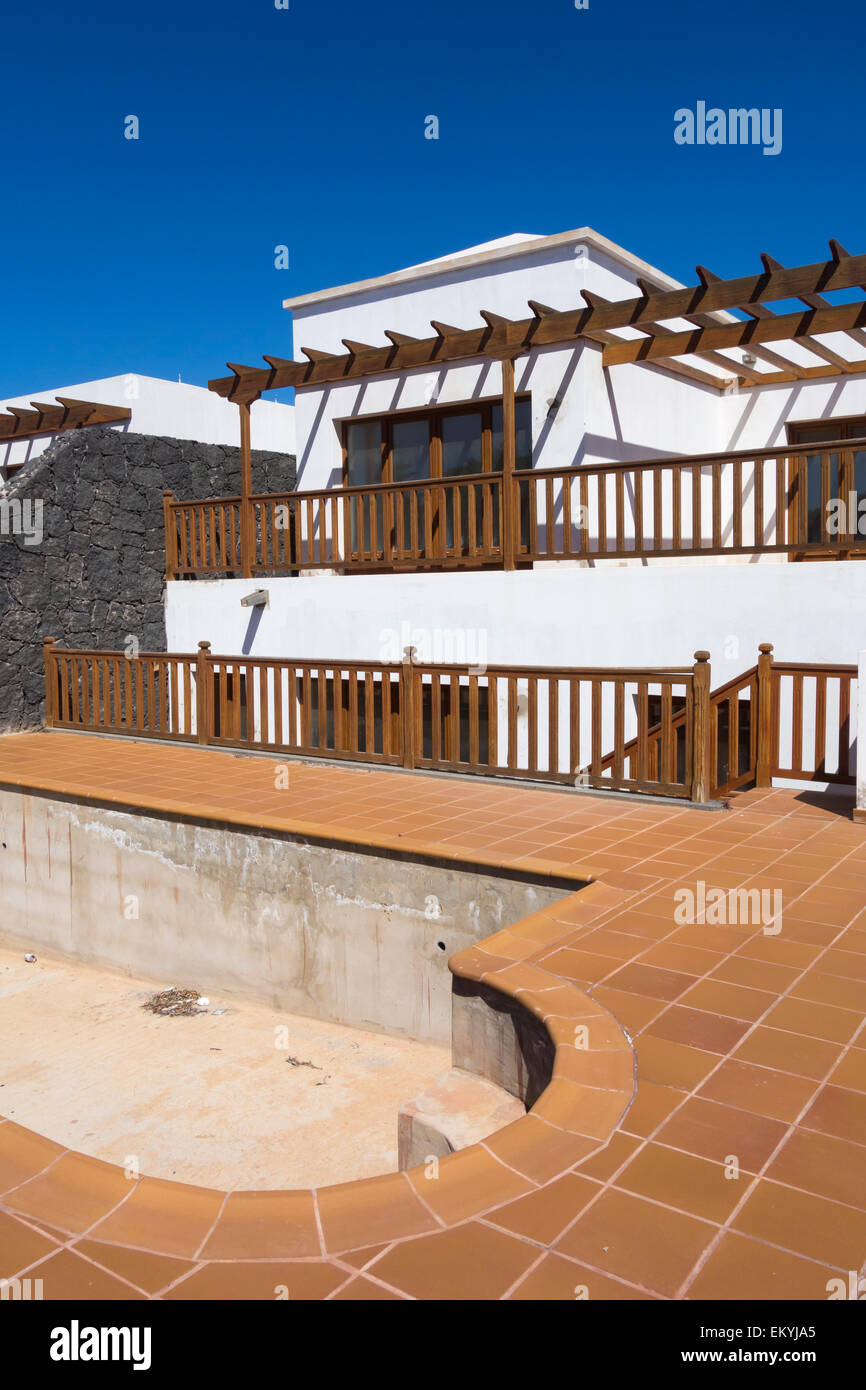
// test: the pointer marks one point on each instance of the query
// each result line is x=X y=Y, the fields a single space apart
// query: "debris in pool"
x=296 y=1062
x=30 y=958
x=174 y=1002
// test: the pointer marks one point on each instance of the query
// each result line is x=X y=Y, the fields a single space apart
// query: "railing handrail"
x=818 y=667
x=500 y=669
x=206 y=502
x=627 y=673
x=313 y=662
x=122 y=655
x=356 y=489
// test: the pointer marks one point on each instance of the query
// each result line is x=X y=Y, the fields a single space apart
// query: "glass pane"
x=364 y=466
x=814 y=504
x=364 y=453
x=410 y=461
x=523 y=435
x=816 y=434
x=461 y=443
x=410 y=450
x=857 y=522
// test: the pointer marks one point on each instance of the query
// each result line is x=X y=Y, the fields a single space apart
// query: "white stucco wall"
x=610 y=616
x=757 y=419
x=172 y=408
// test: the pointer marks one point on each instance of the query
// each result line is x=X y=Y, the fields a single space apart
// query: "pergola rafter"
x=598 y=320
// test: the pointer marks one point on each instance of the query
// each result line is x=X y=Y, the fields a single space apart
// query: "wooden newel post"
x=170 y=536
x=701 y=750
x=764 y=716
x=248 y=522
x=50 y=661
x=203 y=693
x=510 y=499
x=407 y=705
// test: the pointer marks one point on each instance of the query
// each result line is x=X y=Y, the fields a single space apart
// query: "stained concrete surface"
x=210 y=1099
x=361 y=939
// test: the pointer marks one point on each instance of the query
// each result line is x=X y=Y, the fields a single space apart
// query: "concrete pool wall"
x=309 y=928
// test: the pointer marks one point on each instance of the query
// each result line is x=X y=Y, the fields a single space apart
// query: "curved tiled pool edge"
x=591 y=1087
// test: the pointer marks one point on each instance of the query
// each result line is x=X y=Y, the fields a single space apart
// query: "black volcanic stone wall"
x=99 y=572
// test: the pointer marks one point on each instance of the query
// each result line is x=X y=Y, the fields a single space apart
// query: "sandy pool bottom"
x=213 y=1099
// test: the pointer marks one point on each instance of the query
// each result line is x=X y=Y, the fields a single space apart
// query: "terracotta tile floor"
x=733 y=1166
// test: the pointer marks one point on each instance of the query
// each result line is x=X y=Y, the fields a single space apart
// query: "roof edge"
x=430 y=269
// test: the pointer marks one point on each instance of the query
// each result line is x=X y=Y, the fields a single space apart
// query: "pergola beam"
x=510 y=337
x=796 y=327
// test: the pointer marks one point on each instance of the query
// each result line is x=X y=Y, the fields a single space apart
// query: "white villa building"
x=543 y=453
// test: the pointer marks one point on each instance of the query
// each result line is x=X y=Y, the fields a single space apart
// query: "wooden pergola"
x=55 y=417
x=662 y=327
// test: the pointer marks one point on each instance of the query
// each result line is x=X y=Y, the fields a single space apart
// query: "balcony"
x=801 y=502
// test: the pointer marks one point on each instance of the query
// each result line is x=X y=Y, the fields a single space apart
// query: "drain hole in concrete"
x=441 y=945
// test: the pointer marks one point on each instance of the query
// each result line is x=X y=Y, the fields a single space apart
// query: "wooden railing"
x=446 y=523
x=760 y=723
x=202 y=537
x=551 y=724
x=801 y=501
x=150 y=696
x=655 y=730
x=531 y=723
x=813 y=733
x=754 y=502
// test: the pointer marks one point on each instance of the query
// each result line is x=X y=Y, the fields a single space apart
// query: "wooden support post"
x=702 y=774
x=50 y=661
x=170 y=536
x=203 y=693
x=510 y=488
x=764 y=715
x=248 y=521
x=407 y=706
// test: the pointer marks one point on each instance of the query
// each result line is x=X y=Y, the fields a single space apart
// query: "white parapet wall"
x=559 y=616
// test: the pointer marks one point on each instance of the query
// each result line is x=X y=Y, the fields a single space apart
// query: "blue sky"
x=305 y=127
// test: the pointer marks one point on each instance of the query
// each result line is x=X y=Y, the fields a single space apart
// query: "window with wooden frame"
x=439 y=442
x=826 y=477
x=445 y=442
